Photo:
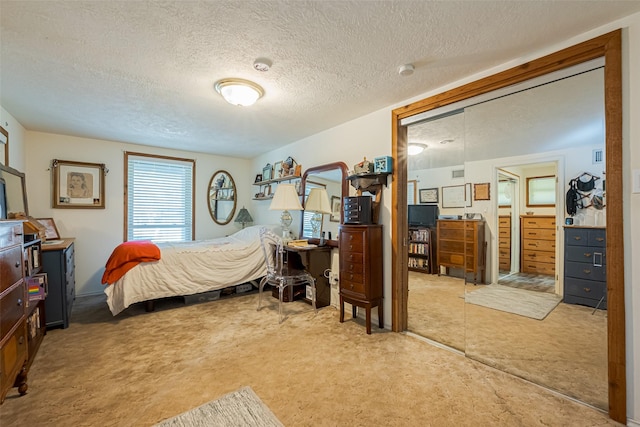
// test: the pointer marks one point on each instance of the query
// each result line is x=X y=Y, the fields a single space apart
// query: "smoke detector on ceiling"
x=262 y=64
x=406 y=69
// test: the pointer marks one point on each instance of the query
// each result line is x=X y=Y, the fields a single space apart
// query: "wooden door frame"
x=607 y=46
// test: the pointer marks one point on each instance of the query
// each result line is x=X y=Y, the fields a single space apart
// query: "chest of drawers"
x=504 y=242
x=461 y=245
x=361 y=270
x=13 y=297
x=585 y=266
x=538 y=233
x=58 y=261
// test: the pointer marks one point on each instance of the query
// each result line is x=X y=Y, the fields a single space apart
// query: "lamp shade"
x=318 y=201
x=243 y=216
x=286 y=198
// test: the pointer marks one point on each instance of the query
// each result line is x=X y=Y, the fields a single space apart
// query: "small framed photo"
x=267 y=172
x=267 y=190
x=78 y=184
x=481 y=191
x=336 y=207
x=429 y=195
x=277 y=170
x=51 y=231
x=258 y=178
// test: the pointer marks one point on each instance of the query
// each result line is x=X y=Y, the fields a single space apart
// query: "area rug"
x=239 y=408
x=536 y=305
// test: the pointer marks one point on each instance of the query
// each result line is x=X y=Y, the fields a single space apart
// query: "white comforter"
x=190 y=268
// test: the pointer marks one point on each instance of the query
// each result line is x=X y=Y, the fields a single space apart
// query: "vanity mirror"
x=479 y=323
x=13 y=194
x=332 y=178
x=221 y=196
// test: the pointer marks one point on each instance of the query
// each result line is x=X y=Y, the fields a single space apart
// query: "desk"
x=315 y=260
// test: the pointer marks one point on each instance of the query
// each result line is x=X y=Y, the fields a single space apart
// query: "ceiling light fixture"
x=239 y=91
x=415 y=148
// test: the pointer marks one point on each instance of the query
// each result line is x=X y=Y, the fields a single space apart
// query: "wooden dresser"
x=13 y=307
x=585 y=266
x=58 y=261
x=361 y=270
x=461 y=244
x=504 y=242
x=538 y=253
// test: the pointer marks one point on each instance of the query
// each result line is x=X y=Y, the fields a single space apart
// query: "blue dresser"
x=585 y=266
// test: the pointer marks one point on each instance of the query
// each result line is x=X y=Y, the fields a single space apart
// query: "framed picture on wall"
x=481 y=191
x=336 y=207
x=78 y=184
x=429 y=195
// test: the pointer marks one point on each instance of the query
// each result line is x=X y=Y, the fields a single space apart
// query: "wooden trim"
x=607 y=45
x=6 y=146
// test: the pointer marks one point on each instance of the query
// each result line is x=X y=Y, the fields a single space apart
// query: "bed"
x=189 y=268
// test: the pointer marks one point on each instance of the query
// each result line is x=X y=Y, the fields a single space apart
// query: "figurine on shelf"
x=365 y=166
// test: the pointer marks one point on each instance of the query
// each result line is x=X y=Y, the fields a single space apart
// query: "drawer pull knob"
x=577 y=238
x=19 y=302
x=350 y=237
x=587 y=254
x=352 y=286
x=351 y=276
x=600 y=239
x=586 y=271
x=587 y=289
x=21 y=340
x=17 y=264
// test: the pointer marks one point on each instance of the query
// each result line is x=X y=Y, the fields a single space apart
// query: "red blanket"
x=126 y=256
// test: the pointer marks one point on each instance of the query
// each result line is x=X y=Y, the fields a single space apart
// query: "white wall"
x=98 y=231
x=16 y=139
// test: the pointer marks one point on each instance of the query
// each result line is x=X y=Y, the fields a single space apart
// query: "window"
x=307 y=229
x=158 y=198
x=541 y=191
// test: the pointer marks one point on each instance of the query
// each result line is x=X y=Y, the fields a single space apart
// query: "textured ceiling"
x=143 y=71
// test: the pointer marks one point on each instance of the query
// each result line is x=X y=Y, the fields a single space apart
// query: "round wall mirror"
x=222 y=197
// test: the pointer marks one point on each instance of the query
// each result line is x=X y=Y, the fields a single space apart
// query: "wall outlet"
x=333 y=278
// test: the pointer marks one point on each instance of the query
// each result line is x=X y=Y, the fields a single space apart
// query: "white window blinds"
x=159 y=198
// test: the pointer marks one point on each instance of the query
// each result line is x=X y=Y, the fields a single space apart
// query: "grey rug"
x=239 y=408
x=536 y=305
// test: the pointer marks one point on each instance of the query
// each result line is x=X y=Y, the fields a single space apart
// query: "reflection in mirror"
x=331 y=178
x=518 y=322
x=4 y=147
x=13 y=194
x=221 y=197
x=435 y=306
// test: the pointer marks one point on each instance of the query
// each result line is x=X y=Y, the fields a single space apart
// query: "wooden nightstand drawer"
x=539 y=234
x=539 y=222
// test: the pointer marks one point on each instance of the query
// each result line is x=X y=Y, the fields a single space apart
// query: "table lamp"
x=285 y=199
x=318 y=203
x=243 y=217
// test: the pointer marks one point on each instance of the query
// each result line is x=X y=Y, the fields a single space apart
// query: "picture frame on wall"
x=453 y=196
x=277 y=170
x=336 y=207
x=429 y=195
x=78 y=185
x=481 y=191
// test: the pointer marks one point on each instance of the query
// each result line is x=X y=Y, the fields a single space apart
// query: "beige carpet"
x=567 y=351
x=139 y=368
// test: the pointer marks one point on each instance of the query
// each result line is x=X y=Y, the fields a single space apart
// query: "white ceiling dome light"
x=414 y=148
x=239 y=91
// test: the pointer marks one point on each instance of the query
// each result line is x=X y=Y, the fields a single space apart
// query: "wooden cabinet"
x=538 y=250
x=504 y=242
x=461 y=244
x=361 y=270
x=422 y=254
x=315 y=261
x=58 y=261
x=13 y=297
x=585 y=266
